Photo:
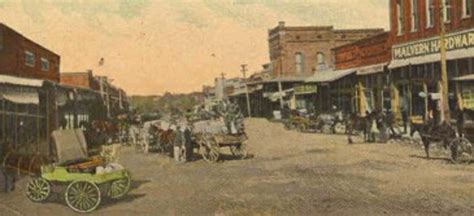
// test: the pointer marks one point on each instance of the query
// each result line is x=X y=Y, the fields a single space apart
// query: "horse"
x=362 y=124
x=166 y=140
x=432 y=132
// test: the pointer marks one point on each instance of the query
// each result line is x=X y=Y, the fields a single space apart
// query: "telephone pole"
x=244 y=71
x=445 y=115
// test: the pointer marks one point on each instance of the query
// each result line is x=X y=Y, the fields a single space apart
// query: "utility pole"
x=445 y=115
x=244 y=71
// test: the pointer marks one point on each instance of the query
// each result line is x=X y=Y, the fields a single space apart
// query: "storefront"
x=416 y=73
x=336 y=89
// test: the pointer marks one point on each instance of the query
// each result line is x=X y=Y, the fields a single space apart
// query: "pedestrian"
x=179 y=146
x=404 y=109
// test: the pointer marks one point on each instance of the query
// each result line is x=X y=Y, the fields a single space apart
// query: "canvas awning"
x=20 y=97
x=286 y=79
x=4 y=79
x=452 y=54
x=70 y=144
x=469 y=77
x=371 y=69
x=329 y=75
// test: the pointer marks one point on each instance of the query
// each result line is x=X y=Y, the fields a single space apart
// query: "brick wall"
x=368 y=51
x=12 y=57
x=312 y=42
x=457 y=23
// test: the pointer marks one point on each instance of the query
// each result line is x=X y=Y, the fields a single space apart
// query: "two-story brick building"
x=298 y=51
x=21 y=57
x=369 y=59
x=416 y=60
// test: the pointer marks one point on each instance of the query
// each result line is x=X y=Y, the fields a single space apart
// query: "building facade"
x=80 y=79
x=302 y=51
x=416 y=60
x=21 y=57
x=369 y=58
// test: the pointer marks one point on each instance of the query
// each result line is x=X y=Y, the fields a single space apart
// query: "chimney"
x=281 y=24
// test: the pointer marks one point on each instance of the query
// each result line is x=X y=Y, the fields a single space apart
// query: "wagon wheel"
x=461 y=150
x=120 y=187
x=339 y=128
x=240 y=150
x=301 y=127
x=38 y=190
x=209 y=148
x=82 y=196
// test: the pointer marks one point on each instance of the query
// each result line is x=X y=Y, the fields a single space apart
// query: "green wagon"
x=83 y=180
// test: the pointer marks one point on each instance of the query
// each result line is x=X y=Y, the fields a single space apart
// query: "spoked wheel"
x=82 y=196
x=339 y=128
x=326 y=129
x=209 y=148
x=239 y=151
x=301 y=127
x=461 y=150
x=38 y=190
x=120 y=187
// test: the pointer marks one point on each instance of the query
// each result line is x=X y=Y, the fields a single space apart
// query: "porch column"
x=280 y=94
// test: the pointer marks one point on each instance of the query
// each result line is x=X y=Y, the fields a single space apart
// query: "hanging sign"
x=306 y=89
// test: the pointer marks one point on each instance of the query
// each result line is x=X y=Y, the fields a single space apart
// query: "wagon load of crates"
x=212 y=135
x=83 y=180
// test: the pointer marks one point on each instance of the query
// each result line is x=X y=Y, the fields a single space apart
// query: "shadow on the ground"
x=107 y=202
x=431 y=158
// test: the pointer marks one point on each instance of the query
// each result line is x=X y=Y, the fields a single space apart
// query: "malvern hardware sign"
x=455 y=41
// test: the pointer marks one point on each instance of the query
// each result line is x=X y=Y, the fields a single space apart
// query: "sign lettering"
x=453 y=42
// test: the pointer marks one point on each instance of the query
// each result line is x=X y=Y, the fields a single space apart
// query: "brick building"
x=369 y=59
x=80 y=79
x=416 y=60
x=21 y=57
x=302 y=51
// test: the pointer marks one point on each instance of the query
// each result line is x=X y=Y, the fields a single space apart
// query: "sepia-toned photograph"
x=236 y=107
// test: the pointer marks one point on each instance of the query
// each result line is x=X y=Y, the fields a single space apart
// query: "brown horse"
x=361 y=124
x=165 y=140
x=432 y=132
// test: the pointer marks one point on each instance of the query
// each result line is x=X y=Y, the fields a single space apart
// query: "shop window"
x=29 y=59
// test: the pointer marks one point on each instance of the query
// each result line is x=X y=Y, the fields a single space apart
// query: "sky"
x=154 y=46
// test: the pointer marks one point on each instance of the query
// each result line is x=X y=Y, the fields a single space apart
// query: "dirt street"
x=290 y=174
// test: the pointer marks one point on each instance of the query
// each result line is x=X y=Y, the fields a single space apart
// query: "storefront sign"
x=306 y=89
x=453 y=42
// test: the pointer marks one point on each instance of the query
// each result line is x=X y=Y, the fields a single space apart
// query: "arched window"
x=321 y=58
x=299 y=61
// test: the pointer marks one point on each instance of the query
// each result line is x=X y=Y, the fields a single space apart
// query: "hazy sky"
x=153 y=46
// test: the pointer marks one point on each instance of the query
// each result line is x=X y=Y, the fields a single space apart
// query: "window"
x=1 y=39
x=299 y=59
x=466 y=8
x=29 y=58
x=430 y=13
x=321 y=59
x=400 y=17
x=447 y=11
x=415 y=19
x=44 y=64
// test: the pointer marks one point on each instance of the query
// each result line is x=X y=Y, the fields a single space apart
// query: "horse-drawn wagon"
x=83 y=180
x=209 y=136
